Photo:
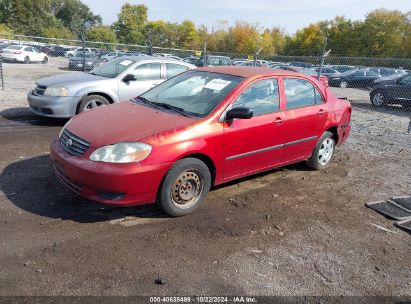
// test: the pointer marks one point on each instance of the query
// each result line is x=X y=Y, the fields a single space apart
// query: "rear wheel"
x=323 y=152
x=343 y=84
x=378 y=99
x=185 y=187
x=91 y=102
x=45 y=60
x=26 y=59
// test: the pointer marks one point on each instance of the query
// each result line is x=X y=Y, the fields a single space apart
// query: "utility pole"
x=1 y=73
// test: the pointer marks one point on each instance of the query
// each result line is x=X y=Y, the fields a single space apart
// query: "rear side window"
x=262 y=97
x=301 y=93
x=173 y=69
x=148 y=71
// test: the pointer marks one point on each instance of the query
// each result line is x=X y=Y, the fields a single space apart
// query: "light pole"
x=323 y=52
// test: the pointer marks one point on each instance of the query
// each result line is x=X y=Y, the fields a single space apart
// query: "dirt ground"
x=289 y=231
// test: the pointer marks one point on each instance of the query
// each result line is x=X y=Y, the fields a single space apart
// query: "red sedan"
x=201 y=128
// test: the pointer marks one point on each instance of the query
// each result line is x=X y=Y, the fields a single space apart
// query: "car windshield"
x=195 y=93
x=113 y=68
x=14 y=47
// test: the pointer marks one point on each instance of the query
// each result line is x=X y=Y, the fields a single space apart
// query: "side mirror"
x=129 y=77
x=240 y=112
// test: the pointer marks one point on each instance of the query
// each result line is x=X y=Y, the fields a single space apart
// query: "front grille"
x=73 y=144
x=39 y=90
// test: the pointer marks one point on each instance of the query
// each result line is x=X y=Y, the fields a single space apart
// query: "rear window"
x=15 y=47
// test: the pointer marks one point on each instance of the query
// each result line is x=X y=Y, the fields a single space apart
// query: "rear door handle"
x=279 y=120
x=322 y=112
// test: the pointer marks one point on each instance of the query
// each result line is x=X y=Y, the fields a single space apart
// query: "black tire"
x=87 y=102
x=172 y=196
x=378 y=99
x=316 y=161
x=45 y=60
x=27 y=60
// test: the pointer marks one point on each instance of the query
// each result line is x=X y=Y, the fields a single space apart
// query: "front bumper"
x=52 y=106
x=94 y=180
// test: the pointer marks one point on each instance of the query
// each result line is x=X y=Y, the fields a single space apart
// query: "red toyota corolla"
x=201 y=128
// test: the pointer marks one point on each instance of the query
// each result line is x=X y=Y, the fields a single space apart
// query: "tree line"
x=384 y=33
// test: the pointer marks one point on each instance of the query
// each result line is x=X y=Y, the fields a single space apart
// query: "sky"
x=289 y=15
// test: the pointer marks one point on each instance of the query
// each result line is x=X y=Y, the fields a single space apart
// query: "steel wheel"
x=187 y=189
x=378 y=99
x=343 y=84
x=326 y=151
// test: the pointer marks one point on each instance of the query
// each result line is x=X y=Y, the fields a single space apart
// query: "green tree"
x=101 y=33
x=130 y=23
x=58 y=32
x=4 y=29
x=74 y=14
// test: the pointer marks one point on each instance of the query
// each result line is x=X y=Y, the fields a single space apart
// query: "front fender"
x=98 y=89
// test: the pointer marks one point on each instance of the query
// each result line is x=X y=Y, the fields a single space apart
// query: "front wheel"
x=323 y=152
x=377 y=99
x=26 y=59
x=343 y=84
x=45 y=60
x=91 y=102
x=185 y=187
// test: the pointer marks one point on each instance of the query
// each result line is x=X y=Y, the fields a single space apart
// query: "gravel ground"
x=289 y=231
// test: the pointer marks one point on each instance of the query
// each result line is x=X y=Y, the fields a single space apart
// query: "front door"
x=253 y=144
x=147 y=76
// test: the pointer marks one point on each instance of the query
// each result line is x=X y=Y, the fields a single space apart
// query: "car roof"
x=246 y=71
x=146 y=58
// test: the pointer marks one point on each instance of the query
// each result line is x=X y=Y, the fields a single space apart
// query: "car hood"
x=68 y=78
x=125 y=121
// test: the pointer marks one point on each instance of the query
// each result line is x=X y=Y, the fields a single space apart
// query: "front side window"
x=173 y=69
x=148 y=71
x=194 y=92
x=262 y=97
x=301 y=93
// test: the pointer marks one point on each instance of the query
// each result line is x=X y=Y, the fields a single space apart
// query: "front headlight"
x=127 y=152
x=56 y=91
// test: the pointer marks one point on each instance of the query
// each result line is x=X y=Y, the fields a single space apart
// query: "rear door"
x=252 y=144
x=306 y=114
x=148 y=75
x=173 y=69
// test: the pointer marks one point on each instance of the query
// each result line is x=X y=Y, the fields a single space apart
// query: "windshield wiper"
x=142 y=99
x=167 y=106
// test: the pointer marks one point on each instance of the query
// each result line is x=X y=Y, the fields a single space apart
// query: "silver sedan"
x=65 y=95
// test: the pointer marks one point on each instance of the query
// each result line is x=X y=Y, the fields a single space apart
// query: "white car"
x=111 y=55
x=71 y=53
x=23 y=53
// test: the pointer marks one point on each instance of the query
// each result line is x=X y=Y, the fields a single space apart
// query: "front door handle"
x=321 y=112
x=279 y=120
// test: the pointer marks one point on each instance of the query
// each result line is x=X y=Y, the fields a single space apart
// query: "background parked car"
x=312 y=73
x=213 y=60
x=302 y=64
x=71 y=53
x=343 y=68
x=110 y=56
x=363 y=78
x=192 y=60
x=23 y=53
x=58 y=51
x=77 y=61
x=326 y=71
x=118 y=80
x=398 y=92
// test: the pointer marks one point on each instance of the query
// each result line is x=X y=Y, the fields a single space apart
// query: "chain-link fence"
x=381 y=86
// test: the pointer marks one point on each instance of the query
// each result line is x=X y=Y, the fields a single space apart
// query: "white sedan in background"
x=23 y=53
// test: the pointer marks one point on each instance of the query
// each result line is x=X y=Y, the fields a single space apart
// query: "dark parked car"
x=326 y=71
x=213 y=60
x=363 y=78
x=398 y=92
x=343 y=68
x=302 y=64
x=312 y=73
x=387 y=80
x=77 y=61
x=192 y=59
x=384 y=72
x=58 y=51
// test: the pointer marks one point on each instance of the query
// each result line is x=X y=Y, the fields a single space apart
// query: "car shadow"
x=23 y=116
x=32 y=186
